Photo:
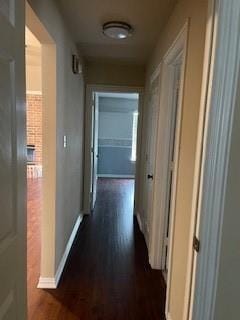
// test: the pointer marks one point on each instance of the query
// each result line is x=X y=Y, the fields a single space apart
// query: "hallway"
x=107 y=275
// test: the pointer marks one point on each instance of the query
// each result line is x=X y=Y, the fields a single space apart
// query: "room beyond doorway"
x=117 y=134
x=113 y=124
x=34 y=133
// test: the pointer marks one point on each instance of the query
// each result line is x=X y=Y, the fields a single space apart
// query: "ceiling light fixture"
x=117 y=30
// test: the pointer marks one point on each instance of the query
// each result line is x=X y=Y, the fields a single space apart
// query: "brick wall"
x=34 y=124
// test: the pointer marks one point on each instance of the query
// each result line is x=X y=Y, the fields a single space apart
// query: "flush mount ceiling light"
x=117 y=30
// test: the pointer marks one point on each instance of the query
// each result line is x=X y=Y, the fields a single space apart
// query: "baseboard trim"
x=116 y=176
x=169 y=316
x=139 y=220
x=47 y=283
x=52 y=283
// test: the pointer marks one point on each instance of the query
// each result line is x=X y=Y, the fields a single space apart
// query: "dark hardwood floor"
x=107 y=275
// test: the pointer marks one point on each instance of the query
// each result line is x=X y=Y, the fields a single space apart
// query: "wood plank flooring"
x=107 y=276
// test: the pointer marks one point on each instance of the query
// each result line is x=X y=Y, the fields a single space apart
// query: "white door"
x=95 y=111
x=172 y=147
x=151 y=146
x=12 y=161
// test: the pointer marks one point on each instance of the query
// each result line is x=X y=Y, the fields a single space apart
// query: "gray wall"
x=69 y=121
x=115 y=136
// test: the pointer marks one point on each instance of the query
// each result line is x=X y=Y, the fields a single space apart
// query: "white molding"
x=139 y=220
x=127 y=96
x=47 y=283
x=113 y=146
x=169 y=317
x=143 y=228
x=116 y=176
x=39 y=93
x=178 y=49
x=155 y=73
x=223 y=88
x=52 y=283
x=194 y=224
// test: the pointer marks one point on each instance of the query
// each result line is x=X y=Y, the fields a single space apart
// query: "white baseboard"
x=52 y=283
x=144 y=229
x=116 y=176
x=47 y=283
x=168 y=317
x=139 y=220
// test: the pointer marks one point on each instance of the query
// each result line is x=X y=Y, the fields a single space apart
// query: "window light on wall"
x=134 y=137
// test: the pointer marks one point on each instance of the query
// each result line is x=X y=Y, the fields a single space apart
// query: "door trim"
x=219 y=129
x=162 y=157
x=194 y=224
x=49 y=94
x=88 y=137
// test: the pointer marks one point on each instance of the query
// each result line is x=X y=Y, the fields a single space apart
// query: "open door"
x=95 y=112
x=12 y=161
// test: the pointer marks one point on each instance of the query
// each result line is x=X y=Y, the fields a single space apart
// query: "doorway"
x=40 y=51
x=33 y=55
x=114 y=138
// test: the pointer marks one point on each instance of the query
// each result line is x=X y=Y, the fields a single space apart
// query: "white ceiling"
x=85 y=19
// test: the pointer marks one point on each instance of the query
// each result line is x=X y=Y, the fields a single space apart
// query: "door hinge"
x=196 y=244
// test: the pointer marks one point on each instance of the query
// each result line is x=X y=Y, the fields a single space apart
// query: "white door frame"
x=178 y=48
x=149 y=159
x=90 y=89
x=95 y=107
x=204 y=105
x=222 y=103
x=49 y=106
x=173 y=134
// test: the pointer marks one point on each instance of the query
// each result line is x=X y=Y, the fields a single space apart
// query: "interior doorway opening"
x=40 y=50
x=34 y=103
x=114 y=139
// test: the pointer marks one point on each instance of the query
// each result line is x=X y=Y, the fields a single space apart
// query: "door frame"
x=221 y=98
x=96 y=106
x=156 y=244
x=147 y=184
x=49 y=130
x=174 y=140
x=90 y=89
x=201 y=140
